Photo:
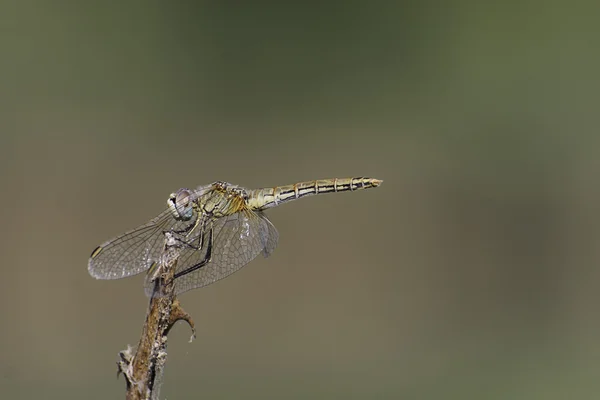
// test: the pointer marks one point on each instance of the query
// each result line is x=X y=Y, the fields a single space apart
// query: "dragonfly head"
x=180 y=205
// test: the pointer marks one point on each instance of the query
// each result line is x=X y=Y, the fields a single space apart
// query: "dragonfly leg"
x=196 y=223
x=190 y=243
x=202 y=263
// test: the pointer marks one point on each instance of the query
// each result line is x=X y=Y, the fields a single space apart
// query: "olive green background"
x=471 y=273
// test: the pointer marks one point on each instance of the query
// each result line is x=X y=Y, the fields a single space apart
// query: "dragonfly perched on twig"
x=220 y=228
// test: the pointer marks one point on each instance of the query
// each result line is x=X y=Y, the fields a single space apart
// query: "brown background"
x=471 y=273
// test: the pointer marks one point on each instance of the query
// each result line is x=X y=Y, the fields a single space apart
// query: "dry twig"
x=144 y=370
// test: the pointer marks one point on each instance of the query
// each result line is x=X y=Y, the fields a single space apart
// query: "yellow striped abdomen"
x=260 y=199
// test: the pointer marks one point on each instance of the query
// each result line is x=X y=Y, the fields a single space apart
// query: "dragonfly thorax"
x=180 y=205
x=224 y=199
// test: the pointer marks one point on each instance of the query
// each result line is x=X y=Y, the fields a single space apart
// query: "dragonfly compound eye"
x=180 y=205
x=182 y=199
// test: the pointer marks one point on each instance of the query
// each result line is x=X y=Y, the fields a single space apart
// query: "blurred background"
x=472 y=272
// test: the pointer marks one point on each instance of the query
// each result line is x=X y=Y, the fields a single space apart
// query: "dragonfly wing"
x=270 y=236
x=237 y=239
x=134 y=251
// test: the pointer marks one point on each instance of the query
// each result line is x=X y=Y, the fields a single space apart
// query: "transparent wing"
x=134 y=251
x=270 y=237
x=237 y=240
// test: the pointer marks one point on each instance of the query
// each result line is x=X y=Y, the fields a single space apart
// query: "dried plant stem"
x=144 y=371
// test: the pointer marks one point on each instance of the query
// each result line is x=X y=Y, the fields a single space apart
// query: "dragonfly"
x=219 y=228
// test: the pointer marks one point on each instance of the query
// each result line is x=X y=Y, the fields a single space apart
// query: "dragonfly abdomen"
x=271 y=197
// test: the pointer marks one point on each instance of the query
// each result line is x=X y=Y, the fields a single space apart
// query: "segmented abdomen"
x=260 y=199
